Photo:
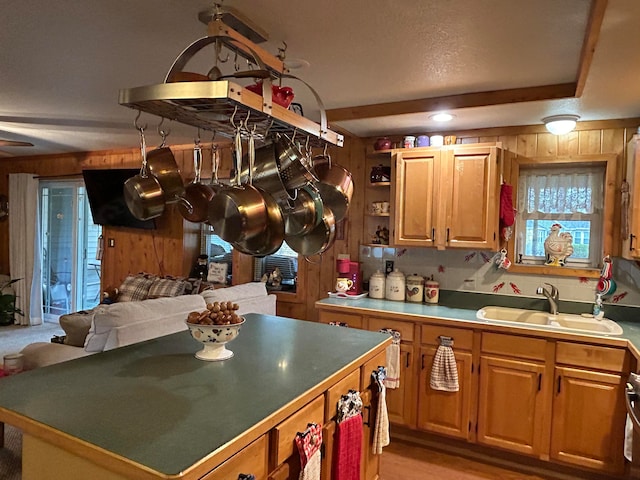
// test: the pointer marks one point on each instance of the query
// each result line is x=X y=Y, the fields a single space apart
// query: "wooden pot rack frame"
x=211 y=105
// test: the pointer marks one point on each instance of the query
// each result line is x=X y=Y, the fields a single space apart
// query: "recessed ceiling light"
x=441 y=117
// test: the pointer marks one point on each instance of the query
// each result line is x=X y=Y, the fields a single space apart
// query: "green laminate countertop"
x=157 y=405
x=630 y=334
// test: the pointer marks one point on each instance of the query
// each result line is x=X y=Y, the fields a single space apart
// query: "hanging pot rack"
x=210 y=105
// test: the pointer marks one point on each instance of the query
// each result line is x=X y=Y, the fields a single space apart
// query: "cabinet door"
x=630 y=246
x=588 y=419
x=415 y=189
x=401 y=401
x=471 y=187
x=511 y=402
x=447 y=413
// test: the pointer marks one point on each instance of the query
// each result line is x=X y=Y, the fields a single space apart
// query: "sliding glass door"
x=70 y=268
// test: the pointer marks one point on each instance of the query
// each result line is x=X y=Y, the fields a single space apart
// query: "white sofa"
x=120 y=324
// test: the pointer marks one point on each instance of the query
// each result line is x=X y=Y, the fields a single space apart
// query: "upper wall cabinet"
x=631 y=209
x=447 y=197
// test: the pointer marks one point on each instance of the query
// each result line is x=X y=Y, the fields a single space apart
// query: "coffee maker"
x=351 y=270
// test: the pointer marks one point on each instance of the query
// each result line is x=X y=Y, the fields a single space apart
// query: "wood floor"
x=406 y=461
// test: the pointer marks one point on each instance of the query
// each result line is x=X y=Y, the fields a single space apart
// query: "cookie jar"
x=395 y=286
x=377 y=283
x=415 y=288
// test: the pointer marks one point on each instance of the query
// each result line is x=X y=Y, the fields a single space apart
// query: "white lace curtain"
x=561 y=191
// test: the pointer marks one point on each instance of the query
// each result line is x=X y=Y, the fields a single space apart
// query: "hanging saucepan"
x=318 y=240
x=302 y=213
x=238 y=212
x=163 y=166
x=142 y=193
x=197 y=193
x=335 y=185
x=271 y=239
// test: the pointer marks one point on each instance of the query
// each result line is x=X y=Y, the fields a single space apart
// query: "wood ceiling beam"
x=594 y=24
x=449 y=102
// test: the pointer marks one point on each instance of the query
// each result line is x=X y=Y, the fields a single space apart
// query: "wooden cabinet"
x=446 y=197
x=630 y=245
x=511 y=401
x=250 y=460
x=447 y=413
x=588 y=407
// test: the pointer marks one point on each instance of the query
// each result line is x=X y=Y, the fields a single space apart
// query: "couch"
x=123 y=323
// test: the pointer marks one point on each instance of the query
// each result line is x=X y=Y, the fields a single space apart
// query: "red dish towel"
x=348 y=449
x=507 y=213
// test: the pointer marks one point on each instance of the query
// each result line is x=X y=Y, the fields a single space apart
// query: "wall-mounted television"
x=105 y=191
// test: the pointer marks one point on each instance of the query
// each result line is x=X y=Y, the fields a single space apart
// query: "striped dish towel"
x=381 y=428
x=444 y=372
x=392 y=379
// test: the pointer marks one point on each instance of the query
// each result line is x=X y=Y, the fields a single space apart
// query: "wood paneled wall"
x=173 y=247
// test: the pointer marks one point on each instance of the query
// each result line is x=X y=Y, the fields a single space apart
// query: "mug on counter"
x=13 y=363
x=343 y=285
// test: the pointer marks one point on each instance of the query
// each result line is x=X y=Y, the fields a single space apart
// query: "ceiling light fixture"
x=441 y=117
x=560 y=124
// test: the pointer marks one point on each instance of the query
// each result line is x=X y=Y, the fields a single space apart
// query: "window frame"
x=607 y=242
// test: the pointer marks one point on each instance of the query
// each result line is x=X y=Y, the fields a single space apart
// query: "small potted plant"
x=8 y=303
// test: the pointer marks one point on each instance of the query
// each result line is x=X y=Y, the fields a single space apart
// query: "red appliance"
x=355 y=275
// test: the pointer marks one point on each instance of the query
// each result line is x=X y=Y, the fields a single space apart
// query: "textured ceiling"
x=62 y=63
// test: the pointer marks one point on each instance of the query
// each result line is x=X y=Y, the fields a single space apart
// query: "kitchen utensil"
x=395 y=286
x=163 y=166
x=270 y=240
x=414 y=288
x=318 y=240
x=238 y=212
x=377 y=285
x=335 y=185
x=196 y=193
x=142 y=193
x=289 y=161
x=302 y=213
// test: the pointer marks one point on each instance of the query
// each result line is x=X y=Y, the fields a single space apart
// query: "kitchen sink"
x=561 y=321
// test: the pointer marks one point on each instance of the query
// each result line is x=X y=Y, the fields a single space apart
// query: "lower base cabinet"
x=554 y=400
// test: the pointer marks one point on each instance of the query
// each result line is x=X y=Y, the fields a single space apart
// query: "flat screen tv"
x=105 y=191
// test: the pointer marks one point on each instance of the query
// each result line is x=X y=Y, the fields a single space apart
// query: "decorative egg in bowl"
x=214 y=328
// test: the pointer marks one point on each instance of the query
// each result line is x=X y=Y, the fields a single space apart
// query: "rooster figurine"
x=558 y=246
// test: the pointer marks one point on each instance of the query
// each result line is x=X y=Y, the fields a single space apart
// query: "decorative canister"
x=415 y=288
x=382 y=143
x=422 y=141
x=377 y=285
x=431 y=291
x=436 y=140
x=395 y=286
x=13 y=363
x=409 y=141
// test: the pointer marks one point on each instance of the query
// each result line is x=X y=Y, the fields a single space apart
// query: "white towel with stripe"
x=444 y=372
x=381 y=428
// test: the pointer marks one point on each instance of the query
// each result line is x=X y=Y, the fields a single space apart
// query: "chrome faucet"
x=553 y=297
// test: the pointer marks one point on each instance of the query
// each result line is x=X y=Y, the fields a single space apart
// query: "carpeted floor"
x=10 y=455
x=14 y=338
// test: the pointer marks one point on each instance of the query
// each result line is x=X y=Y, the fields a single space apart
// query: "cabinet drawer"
x=283 y=436
x=512 y=345
x=350 y=382
x=351 y=319
x=600 y=358
x=405 y=328
x=462 y=337
x=251 y=459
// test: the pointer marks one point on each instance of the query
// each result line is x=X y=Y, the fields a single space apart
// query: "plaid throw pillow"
x=166 y=287
x=135 y=288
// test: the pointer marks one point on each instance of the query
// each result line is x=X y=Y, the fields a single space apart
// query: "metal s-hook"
x=266 y=132
x=233 y=117
x=135 y=123
x=163 y=133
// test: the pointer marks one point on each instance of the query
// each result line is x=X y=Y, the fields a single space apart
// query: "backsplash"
x=476 y=271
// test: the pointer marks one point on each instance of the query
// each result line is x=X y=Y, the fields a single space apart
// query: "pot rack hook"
x=135 y=123
x=218 y=51
x=196 y=140
x=233 y=116
x=266 y=132
x=164 y=133
x=246 y=122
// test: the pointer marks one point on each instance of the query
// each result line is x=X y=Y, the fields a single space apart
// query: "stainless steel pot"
x=143 y=194
x=318 y=240
x=269 y=241
x=197 y=194
x=302 y=213
x=163 y=166
x=238 y=212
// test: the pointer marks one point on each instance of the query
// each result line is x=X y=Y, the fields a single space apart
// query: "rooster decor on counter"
x=558 y=246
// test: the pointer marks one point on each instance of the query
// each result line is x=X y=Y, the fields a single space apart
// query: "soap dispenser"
x=598 y=312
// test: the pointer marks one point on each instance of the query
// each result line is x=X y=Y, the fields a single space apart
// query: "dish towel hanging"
x=381 y=427
x=348 y=446
x=309 y=443
x=393 y=359
x=444 y=372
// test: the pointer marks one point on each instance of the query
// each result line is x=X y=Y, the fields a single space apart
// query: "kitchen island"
x=152 y=410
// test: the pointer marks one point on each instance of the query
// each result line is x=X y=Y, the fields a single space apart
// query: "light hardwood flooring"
x=406 y=461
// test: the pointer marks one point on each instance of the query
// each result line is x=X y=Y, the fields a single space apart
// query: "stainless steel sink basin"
x=562 y=321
